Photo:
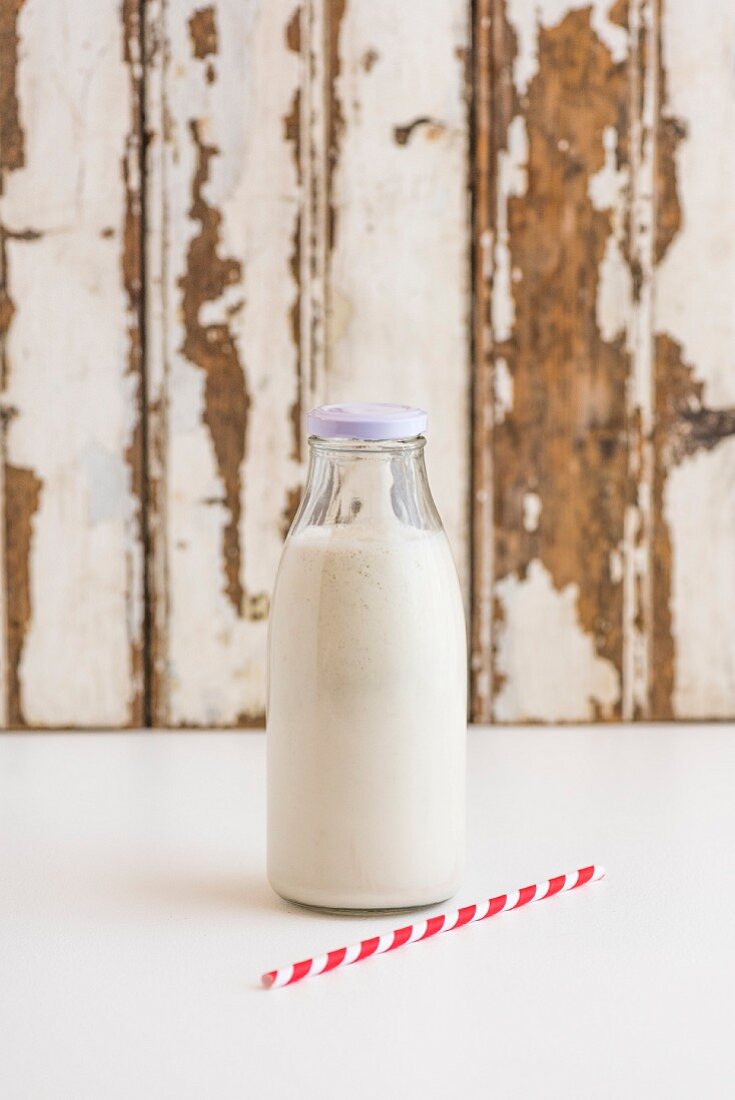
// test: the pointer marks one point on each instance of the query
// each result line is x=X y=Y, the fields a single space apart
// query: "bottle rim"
x=350 y=445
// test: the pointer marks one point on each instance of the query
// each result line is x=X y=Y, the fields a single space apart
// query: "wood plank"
x=223 y=325
x=694 y=514
x=307 y=173
x=72 y=469
x=398 y=240
x=559 y=301
x=604 y=397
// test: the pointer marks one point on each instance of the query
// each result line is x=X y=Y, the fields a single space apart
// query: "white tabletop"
x=135 y=921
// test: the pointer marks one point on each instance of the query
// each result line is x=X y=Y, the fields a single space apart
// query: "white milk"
x=366 y=719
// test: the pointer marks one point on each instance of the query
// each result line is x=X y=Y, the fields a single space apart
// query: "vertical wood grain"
x=72 y=474
x=225 y=199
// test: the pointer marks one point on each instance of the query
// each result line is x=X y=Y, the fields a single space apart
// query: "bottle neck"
x=375 y=486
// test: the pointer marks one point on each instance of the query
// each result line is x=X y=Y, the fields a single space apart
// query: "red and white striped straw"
x=423 y=930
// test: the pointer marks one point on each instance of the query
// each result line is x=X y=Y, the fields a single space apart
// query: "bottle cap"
x=366 y=421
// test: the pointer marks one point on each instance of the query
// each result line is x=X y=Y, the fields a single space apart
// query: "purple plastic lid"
x=366 y=421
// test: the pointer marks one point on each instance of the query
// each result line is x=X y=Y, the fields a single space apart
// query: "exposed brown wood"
x=403 y=134
x=203 y=32
x=211 y=347
x=22 y=495
x=11 y=132
x=669 y=132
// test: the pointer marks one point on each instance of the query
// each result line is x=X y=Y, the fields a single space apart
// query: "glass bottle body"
x=366 y=716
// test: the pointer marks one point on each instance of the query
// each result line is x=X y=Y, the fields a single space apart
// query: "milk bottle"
x=366 y=714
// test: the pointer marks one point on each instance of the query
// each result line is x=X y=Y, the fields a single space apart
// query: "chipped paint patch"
x=609 y=191
x=11 y=140
x=22 y=495
x=616 y=566
x=512 y=183
x=529 y=19
x=531 y=511
x=203 y=32
x=211 y=347
x=568 y=682
x=368 y=59
x=432 y=129
x=503 y=389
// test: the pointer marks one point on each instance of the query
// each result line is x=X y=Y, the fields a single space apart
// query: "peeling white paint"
x=696 y=281
x=616 y=566
x=526 y=17
x=694 y=304
x=502 y=389
x=564 y=681
x=608 y=190
x=107 y=482
x=700 y=511
x=636 y=565
x=512 y=182
x=486 y=248
x=531 y=511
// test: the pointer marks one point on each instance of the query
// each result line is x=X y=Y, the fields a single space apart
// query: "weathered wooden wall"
x=518 y=213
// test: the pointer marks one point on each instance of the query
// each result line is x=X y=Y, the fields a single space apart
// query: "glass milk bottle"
x=367 y=694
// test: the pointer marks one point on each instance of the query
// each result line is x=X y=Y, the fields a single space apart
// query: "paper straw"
x=423 y=930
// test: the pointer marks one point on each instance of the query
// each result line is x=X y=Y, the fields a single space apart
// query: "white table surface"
x=135 y=920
